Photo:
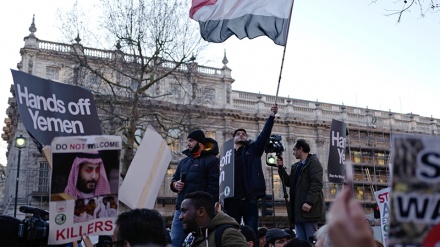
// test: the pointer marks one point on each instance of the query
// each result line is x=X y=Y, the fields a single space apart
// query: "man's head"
x=322 y=237
x=195 y=141
x=301 y=149
x=197 y=210
x=249 y=234
x=262 y=231
x=140 y=227
x=240 y=137
x=88 y=176
x=276 y=238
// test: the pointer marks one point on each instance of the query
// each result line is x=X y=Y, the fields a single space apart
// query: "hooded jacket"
x=308 y=189
x=205 y=237
x=255 y=185
x=202 y=172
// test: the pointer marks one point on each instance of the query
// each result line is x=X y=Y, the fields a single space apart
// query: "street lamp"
x=20 y=142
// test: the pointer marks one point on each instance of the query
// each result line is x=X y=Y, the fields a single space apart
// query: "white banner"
x=383 y=201
x=147 y=170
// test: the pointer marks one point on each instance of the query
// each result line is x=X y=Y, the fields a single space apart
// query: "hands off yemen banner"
x=336 y=157
x=226 y=180
x=76 y=208
x=49 y=109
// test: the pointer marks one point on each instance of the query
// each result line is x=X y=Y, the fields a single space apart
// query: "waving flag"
x=220 y=19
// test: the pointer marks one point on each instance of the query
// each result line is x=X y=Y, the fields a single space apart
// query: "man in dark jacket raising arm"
x=306 y=196
x=249 y=183
x=199 y=171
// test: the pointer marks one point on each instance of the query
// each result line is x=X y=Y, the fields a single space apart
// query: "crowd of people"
x=198 y=221
x=345 y=227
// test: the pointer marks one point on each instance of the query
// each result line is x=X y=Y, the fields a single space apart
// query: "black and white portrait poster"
x=415 y=191
x=84 y=187
x=49 y=109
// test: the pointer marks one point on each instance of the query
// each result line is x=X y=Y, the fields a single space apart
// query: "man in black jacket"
x=307 y=205
x=199 y=171
x=249 y=183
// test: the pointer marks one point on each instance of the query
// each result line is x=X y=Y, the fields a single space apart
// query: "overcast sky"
x=342 y=52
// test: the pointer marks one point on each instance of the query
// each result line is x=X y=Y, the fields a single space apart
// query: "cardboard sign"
x=383 y=201
x=145 y=176
x=415 y=204
x=84 y=187
x=49 y=109
x=336 y=157
x=226 y=180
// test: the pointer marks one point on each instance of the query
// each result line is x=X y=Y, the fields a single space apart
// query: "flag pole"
x=284 y=53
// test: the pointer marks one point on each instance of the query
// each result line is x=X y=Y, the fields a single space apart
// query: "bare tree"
x=152 y=42
x=405 y=6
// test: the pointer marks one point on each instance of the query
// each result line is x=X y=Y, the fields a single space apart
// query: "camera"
x=34 y=229
x=274 y=146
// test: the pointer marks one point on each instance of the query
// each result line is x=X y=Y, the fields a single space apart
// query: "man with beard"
x=87 y=177
x=199 y=171
x=198 y=215
x=307 y=204
x=249 y=182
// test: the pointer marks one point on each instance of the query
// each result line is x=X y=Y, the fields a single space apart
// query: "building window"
x=175 y=90
x=356 y=157
x=210 y=134
x=43 y=177
x=209 y=94
x=52 y=73
x=381 y=158
x=174 y=140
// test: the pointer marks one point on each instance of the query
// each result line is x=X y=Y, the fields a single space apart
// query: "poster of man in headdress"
x=84 y=187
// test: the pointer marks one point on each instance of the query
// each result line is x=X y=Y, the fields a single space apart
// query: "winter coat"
x=205 y=237
x=308 y=189
x=255 y=185
x=202 y=172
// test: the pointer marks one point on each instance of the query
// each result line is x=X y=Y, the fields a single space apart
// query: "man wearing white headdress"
x=87 y=177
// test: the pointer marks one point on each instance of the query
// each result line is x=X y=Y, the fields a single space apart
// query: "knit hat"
x=235 y=132
x=274 y=234
x=197 y=135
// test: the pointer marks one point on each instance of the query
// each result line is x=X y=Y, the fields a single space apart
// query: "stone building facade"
x=223 y=110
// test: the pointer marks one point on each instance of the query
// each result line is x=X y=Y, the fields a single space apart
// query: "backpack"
x=219 y=232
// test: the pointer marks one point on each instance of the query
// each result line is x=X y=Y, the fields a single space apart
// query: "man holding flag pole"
x=220 y=19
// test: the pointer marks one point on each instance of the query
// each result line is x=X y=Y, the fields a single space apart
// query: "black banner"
x=227 y=171
x=336 y=157
x=49 y=109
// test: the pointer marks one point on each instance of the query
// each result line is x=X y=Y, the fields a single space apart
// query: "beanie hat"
x=235 y=132
x=274 y=234
x=197 y=135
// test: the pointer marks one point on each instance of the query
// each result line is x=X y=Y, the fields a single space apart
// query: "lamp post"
x=20 y=142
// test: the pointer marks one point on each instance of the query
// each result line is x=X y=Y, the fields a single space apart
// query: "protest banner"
x=336 y=156
x=226 y=180
x=415 y=204
x=144 y=177
x=383 y=201
x=84 y=187
x=49 y=109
